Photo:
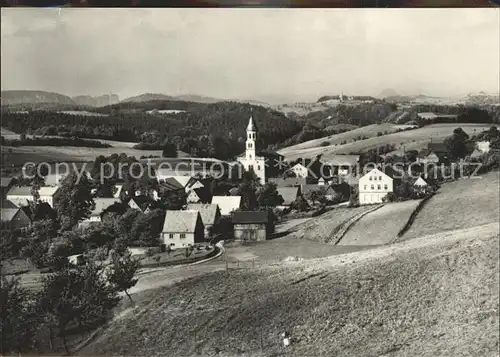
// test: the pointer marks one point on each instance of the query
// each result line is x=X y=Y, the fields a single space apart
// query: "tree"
x=169 y=150
x=316 y=195
x=36 y=242
x=122 y=272
x=74 y=200
x=458 y=144
x=269 y=196
x=248 y=191
x=18 y=317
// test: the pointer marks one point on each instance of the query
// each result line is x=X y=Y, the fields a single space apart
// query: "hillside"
x=402 y=300
x=415 y=139
x=9 y=97
x=98 y=101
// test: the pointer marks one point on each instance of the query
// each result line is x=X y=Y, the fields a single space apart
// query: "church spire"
x=251 y=125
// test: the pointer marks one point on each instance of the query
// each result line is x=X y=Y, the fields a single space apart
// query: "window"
x=373 y=187
x=250 y=167
x=365 y=187
x=183 y=235
x=380 y=178
x=371 y=178
x=249 y=145
x=379 y=187
x=375 y=178
x=171 y=236
x=258 y=167
x=385 y=187
x=172 y=244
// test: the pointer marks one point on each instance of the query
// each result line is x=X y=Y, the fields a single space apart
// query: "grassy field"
x=459 y=204
x=411 y=140
x=380 y=226
x=23 y=154
x=322 y=228
x=435 y=296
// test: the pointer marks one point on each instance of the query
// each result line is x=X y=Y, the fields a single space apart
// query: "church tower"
x=251 y=161
x=251 y=137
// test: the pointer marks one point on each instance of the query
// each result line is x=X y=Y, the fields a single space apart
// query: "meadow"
x=380 y=226
x=414 y=139
x=459 y=204
x=401 y=300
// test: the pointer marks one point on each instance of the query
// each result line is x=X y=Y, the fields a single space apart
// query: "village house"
x=22 y=195
x=101 y=205
x=251 y=161
x=14 y=217
x=227 y=204
x=289 y=195
x=182 y=229
x=300 y=171
x=374 y=186
x=199 y=195
x=434 y=154
x=252 y=225
x=420 y=183
x=325 y=189
x=343 y=165
x=476 y=154
x=140 y=203
x=6 y=184
x=210 y=214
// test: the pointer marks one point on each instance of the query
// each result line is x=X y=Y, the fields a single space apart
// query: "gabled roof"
x=47 y=191
x=250 y=217
x=181 y=221
x=203 y=194
x=378 y=171
x=5 y=181
x=141 y=201
x=420 y=182
x=194 y=184
x=101 y=204
x=208 y=211
x=227 y=204
x=289 y=194
x=170 y=184
x=235 y=191
x=476 y=153
x=20 y=191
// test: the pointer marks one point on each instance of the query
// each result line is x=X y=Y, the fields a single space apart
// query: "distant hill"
x=147 y=97
x=389 y=92
x=99 y=101
x=9 y=97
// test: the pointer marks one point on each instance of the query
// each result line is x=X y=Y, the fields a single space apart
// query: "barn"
x=252 y=225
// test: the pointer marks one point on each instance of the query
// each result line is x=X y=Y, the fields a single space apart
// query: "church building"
x=250 y=161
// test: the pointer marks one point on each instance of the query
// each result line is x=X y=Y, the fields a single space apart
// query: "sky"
x=264 y=54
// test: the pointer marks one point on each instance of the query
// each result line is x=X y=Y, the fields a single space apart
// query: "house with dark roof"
x=252 y=225
x=199 y=195
x=14 y=217
x=101 y=205
x=210 y=214
x=140 y=203
x=435 y=153
x=182 y=229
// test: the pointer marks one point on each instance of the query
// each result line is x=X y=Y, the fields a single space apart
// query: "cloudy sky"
x=250 y=53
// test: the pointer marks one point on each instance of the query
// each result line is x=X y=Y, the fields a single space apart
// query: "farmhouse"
x=252 y=162
x=343 y=165
x=420 y=183
x=289 y=194
x=252 y=225
x=14 y=217
x=299 y=171
x=199 y=195
x=182 y=229
x=227 y=204
x=435 y=153
x=374 y=186
x=101 y=204
x=476 y=154
x=21 y=196
x=210 y=214
x=140 y=203
x=6 y=184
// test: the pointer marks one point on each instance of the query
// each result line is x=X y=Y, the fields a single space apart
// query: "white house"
x=483 y=146
x=300 y=171
x=420 y=183
x=182 y=229
x=101 y=204
x=374 y=186
x=251 y=161
x=21 y=196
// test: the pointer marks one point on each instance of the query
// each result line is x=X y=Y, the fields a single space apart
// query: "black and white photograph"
x=259 y=182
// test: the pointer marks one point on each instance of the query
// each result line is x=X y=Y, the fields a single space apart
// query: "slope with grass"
x=380 y=226
x=437 y=295
x=459 y=204
x=324 y=227
x=404 y=140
